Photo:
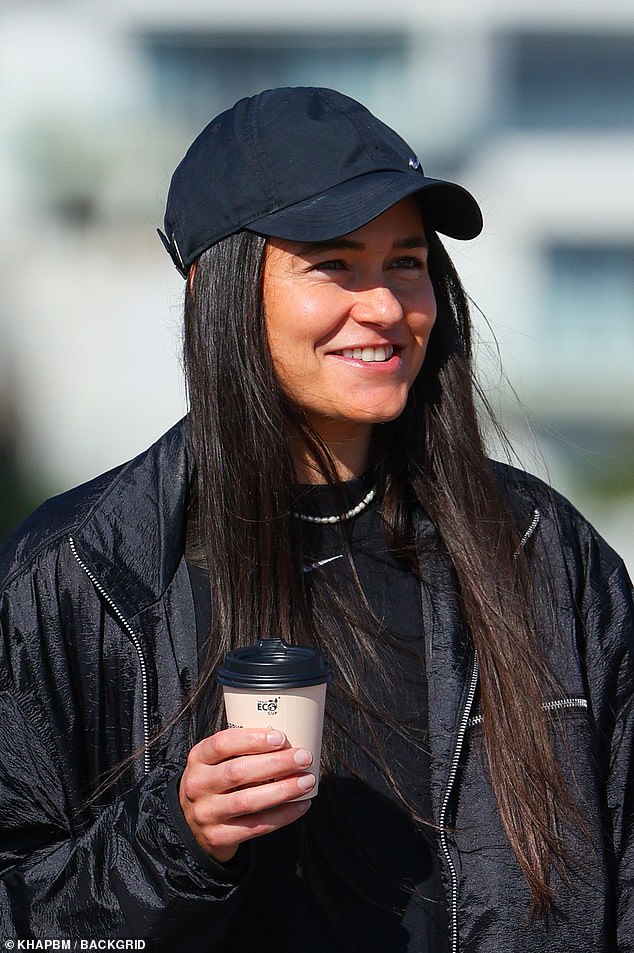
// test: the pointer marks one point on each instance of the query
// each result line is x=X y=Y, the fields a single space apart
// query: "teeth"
x=369 y=354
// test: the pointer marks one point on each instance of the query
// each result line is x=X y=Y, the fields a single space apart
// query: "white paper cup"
x=280 y=686
x=297 y=712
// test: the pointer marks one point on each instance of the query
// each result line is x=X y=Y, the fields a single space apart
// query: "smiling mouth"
x=371 y=355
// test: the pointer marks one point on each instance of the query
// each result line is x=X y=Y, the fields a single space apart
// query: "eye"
x=409 y=263
x=331 y=264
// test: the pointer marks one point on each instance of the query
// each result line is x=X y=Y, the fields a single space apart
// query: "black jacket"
x=98 y=642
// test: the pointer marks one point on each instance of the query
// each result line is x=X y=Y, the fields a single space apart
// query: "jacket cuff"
x=231 y=872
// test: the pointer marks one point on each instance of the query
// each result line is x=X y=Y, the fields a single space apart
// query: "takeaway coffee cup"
x=275 y=685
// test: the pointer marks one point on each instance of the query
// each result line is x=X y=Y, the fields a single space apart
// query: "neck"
x=349 y=453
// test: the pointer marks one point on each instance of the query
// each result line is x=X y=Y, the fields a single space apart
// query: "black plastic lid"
x=272 y=664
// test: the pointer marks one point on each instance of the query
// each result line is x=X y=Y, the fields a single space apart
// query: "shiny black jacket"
x=97 y=634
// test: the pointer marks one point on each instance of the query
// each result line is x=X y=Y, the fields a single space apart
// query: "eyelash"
x=407 y=262
x=332 y=264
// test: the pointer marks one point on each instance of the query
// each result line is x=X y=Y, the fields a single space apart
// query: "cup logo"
x=268 y=705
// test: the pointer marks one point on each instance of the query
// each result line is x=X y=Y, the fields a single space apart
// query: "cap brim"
x=447 y=207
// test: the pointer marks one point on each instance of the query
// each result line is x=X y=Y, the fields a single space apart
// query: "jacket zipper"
x=462 y=730
x=558 y=704
x=529 y=532
x=465 y=722
x=563 y=703
x=137 y=645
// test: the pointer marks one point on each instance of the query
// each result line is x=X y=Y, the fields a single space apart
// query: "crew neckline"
x=330 y=499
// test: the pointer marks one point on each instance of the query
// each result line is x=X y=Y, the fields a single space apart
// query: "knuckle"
x=190 y=788
x=200 y=816
x=235 y=772
x=242 y=803
x=215 y=747
x=215 y=837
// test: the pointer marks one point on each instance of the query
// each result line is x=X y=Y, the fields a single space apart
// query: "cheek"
x=280 y=322
x=290 y=351
x=297 y=324
x=423 y=318
x=421 y=326
x=287 y=313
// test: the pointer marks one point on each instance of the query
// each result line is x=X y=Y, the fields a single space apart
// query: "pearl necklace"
x=359 y=508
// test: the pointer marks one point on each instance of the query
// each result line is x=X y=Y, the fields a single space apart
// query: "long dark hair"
x=241 y=426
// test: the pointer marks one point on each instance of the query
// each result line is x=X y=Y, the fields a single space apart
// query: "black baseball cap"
x=302 y=163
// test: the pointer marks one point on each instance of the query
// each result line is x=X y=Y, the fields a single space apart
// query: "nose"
x=378 y=305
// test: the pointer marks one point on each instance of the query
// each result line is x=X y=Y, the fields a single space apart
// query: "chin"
x=385 y=413
x=387 y=418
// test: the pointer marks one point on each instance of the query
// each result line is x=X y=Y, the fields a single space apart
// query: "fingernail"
x=306 y=782
x=303 y=758
x=275 y=738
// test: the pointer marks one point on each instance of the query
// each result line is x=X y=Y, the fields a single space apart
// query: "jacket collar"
x=133 y=537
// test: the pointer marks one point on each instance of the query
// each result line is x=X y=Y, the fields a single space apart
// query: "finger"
x=222 y=840
x=263 y=797
x=217 y=810
x=202 y=780
x=256 y=769
x=233 y=742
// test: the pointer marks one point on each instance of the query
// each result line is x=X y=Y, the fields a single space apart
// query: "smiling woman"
x=328 y=487
x=348 y=324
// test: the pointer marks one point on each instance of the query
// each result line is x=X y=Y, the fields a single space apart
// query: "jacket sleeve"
x=124 y=870
x=616 y=604
x=609 y=622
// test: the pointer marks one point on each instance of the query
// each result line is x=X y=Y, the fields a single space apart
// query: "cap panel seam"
x=257 y=152
x=356 y=119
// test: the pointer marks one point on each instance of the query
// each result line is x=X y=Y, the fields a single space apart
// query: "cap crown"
x=269 y=152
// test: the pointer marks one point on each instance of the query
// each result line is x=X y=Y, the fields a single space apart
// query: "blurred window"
x=589 y=313
x=569 y=80
x=197 y=75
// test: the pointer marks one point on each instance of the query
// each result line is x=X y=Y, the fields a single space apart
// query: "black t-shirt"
x=373 y=867
x=395 y=672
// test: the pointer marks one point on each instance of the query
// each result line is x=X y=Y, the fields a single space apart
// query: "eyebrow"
x=348 y=244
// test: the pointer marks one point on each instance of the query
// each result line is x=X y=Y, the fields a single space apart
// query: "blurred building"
x=530 y=105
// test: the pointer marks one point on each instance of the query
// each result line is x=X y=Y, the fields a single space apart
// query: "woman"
x=328 y=486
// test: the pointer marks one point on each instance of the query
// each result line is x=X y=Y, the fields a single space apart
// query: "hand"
x=240 y=784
